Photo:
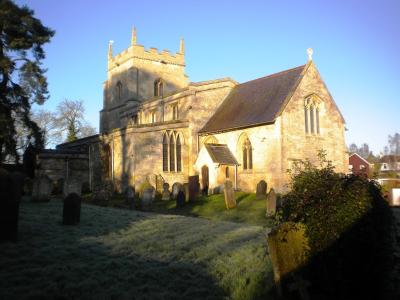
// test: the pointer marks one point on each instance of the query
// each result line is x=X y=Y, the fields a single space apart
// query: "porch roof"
x=221 y=154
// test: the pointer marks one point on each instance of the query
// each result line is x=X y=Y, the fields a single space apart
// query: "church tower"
x=136 y=75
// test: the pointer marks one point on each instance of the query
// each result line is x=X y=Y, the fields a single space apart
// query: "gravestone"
x=186 y=191
x=166 y=195
x=72 y=209
x=130 y=197
x=103 y=191
x=271 y=202
x=148 y=197
x=176 y=187
x=180 y=199
x=72 y=185
x=9 y=207
x=194 y=187
x=230 y=200
x=42 y=187
x=58 y=187
x=261 y=192
x=160 y=184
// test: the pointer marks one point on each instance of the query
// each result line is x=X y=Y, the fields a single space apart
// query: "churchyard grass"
x=249 y=210
x=123 y=254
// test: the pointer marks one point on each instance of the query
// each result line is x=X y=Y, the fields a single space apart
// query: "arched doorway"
x=204 y=179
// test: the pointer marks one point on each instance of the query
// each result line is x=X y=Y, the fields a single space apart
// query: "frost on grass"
x=126 y=254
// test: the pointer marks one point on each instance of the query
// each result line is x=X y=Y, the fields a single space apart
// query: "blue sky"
x=356 y=48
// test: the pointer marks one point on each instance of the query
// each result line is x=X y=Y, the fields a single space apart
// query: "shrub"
x=346 y=219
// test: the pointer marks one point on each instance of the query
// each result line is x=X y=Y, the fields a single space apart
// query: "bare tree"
x=46 y=120
x=394 y=143
x=70 y=120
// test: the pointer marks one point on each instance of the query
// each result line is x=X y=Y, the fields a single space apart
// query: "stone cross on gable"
x=301 y=286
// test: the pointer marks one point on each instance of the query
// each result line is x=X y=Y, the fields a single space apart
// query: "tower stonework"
x=132 y=78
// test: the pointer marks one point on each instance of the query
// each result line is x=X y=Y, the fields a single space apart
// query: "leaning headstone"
x=180 y=199
x=148 y=198
x=271 y=202
x=130 y=196
x=230 y=200
x=9 y=207
x=72 y=185
x=166 y=195
x=42 y=187
x=176 y=187
x=261 y=192
x=194 y=187
x=72 y=209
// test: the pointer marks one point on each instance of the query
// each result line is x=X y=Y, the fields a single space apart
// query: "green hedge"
x=346 y=221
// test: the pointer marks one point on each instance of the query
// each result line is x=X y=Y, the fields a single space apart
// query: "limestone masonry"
x=157 y=126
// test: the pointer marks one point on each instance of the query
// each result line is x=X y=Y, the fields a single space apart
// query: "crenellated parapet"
x=136 y=51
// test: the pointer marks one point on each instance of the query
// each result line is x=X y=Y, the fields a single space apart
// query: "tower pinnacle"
x=110 y=54
x=133 y=40
x=182 y=47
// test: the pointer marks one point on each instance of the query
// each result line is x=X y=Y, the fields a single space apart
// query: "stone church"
x=155 y=123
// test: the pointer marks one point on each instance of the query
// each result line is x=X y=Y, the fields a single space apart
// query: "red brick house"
x=359 y=165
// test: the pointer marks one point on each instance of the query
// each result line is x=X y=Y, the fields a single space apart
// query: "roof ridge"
x=275 y=74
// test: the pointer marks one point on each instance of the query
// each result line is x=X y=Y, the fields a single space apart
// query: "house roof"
x=255 y=102
x=359 y=156
x=221 y=154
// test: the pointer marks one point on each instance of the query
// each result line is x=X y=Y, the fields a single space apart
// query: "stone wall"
x=296 y=143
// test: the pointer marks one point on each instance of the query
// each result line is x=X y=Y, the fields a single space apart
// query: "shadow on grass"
x=117 y=253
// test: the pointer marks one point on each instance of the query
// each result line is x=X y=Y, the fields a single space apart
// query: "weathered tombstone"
x=130 y=196
x=58 y=187
x=72 y=185
x=194 y=187
x=261 y=192
x=9 y=208
x=180 y=199
x=148 y=198
x=72 y=209
x=103 y=192
x=186 y=191
x=176 y=187
x=271 y=202
x=230 y=200
x=160 y=184
x=166 y=195
x=288 y=248
x=42 y=187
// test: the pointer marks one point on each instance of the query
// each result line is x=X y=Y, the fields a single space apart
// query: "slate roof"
x=221 y=154
x=254 y=102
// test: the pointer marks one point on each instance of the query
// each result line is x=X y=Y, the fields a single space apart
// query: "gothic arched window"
x=311 y=115
x=165 y=152
x=247 y=155
x=178 y=154
x=171 y=154
x=158 y=87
